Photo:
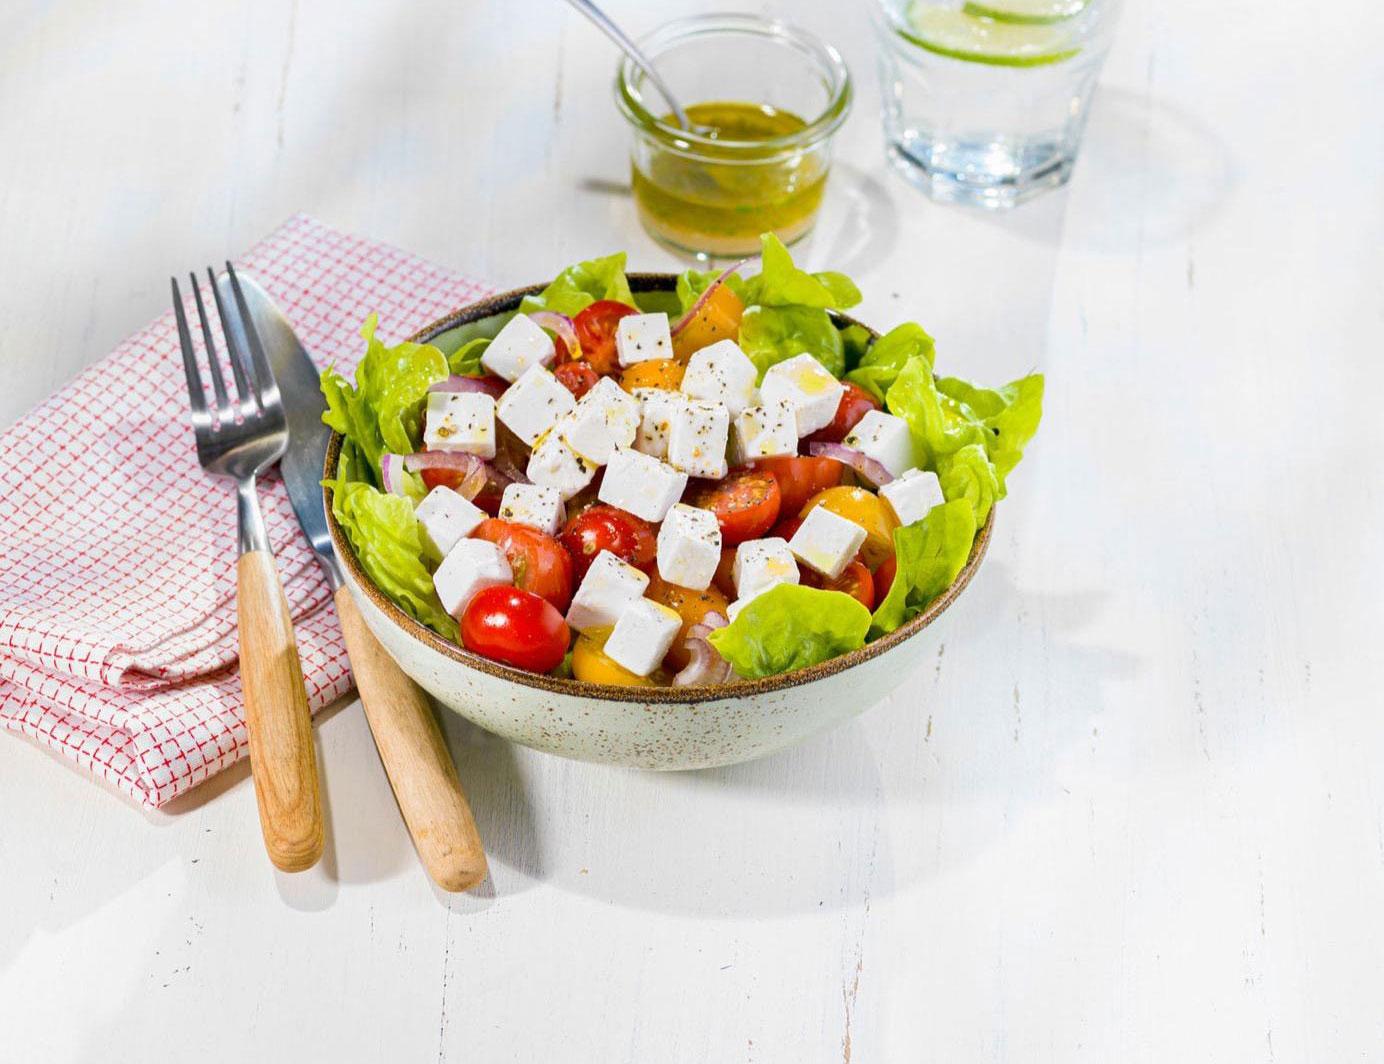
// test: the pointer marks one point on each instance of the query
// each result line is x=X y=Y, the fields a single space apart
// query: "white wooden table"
x=1132 y=809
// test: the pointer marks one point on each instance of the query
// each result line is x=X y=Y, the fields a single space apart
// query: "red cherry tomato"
x=786 y=527
x=516 y=627
x=855 y=580
x=884 y=577
x=801 y=477
x=596 y=334
x=577 y=377
x=746 y=503
x=538 y=561
x=855 y=403
x=602 y=527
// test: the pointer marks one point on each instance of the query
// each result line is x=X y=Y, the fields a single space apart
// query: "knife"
x=406 y=733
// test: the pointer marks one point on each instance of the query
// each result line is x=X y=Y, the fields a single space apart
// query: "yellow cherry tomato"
x=867 y=510
x=591 y=663
x=719 y=319
x=665 y=373
x=691 y=606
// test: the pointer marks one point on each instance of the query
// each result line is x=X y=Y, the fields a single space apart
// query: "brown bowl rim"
x=639 y=282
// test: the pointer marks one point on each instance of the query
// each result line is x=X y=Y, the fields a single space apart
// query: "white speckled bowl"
x=654 y=728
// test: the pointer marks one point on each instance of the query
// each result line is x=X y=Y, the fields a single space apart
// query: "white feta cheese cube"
x=642 y=636
x=912 y=495
x=606 y=417
x=641 y=337
x=721 y=373
x=765 y=431
x=533 y=404
x=760 y=563
x=471 y=565
x=460 y=421
x=555 y=465
x=808 y=387
x=689 y=547
x=733 y=610
x=535 y=505
x=641 y=484
x=658 y=405
x=608 y=587
x=697 y=439
x=445 y=518
x=826 y=541
x=885 y=438
x=519 y=345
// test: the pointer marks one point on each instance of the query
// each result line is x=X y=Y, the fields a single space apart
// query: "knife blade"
x=410 y=743
x=301 y=465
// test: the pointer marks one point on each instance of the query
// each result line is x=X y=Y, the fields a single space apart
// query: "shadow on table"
x=811 y=828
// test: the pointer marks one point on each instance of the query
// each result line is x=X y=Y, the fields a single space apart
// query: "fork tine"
x=233 y=329
x=264 y=373
x=195 y=393
x=218 y=383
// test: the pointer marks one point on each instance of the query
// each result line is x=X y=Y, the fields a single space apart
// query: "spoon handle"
x=616 y=34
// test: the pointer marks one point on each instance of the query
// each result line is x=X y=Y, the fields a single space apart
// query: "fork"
x=239 y=439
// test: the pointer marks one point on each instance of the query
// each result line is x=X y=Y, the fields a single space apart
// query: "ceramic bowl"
x=651 y=728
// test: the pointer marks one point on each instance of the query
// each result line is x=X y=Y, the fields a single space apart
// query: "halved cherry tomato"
x=746 y=503
x=718 y=319
x=516 y=627
x=855 y=403
x=786 y=527
x=884 y=578
x=577 y=377
x=855 y=580
x=723 y=580
x=800 y=477
x=602 y=527
x=692 y=607
x=596 y=334
x=592 y=664
x=867 y=510
x=538 y=561
x=663 y=373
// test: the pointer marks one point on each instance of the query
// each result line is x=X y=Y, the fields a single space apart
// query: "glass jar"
x=765 y=99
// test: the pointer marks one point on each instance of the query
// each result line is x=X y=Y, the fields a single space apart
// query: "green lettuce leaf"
x=384 y=534
x=881 y=364
x=1010 y=416
x=383 y=411
x=692 y=283
x=855 y=341
x=577 y=287
x=465 y=361
x=780 y=284
x=769 y=335
x=939 y=425
x=929 y=553
x=791 y=627
x=969 y=474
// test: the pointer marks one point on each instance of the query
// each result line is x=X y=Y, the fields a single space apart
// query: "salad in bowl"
x=704 y=486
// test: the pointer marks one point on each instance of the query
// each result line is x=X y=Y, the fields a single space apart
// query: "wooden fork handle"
x=277 y=718
x=415 y=758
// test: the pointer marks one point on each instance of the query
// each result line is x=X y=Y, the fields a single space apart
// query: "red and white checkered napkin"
x=117 y=553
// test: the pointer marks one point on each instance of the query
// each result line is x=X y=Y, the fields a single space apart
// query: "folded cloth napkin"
x=117 y=553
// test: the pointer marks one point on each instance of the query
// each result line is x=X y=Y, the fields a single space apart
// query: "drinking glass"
x=984 y=103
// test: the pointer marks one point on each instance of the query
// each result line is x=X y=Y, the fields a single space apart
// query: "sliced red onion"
x=560 y=324
x=492 y=386
x=473 y=471
x=696 y=307
x=869 y=468
x=705 y=665
x=392 y=473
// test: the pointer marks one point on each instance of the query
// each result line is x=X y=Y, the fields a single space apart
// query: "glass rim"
x=826 y=59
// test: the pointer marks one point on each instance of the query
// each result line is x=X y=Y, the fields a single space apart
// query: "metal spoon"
x=616 y=34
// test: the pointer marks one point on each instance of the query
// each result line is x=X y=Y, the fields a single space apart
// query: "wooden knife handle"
x=277 y=718
x=415 y=758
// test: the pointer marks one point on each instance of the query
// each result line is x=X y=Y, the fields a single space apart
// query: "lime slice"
x=1031 y=12
x=953 y=33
